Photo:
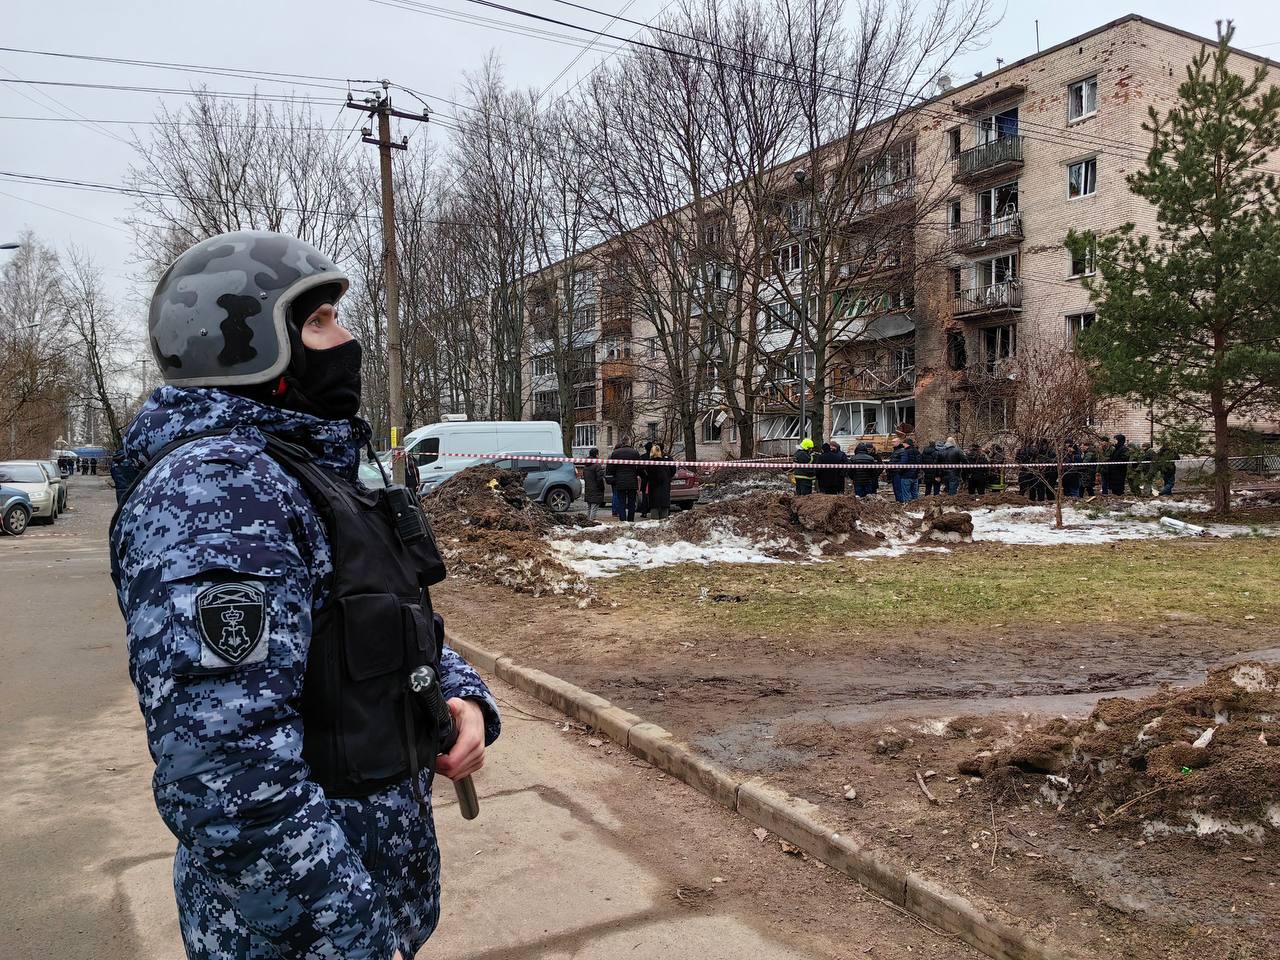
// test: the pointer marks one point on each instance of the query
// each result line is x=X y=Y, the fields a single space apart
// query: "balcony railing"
x=993 y=298
x=988 y=157
x=870 y=381
x=884 y=195
x=546 y=413
x=981 y=234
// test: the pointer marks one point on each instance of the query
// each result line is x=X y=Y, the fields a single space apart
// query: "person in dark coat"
x=911 y=477
x=831 y=480
x=593 y=484
x=657 y=481
x=932 y=475
x=642 y=491
x=895 y=476
x=624 y=477
x=1117 y=472
x=1089 y=457
x=864 y=469
x=978 y=478
x=1026 y=478
x=951 y=456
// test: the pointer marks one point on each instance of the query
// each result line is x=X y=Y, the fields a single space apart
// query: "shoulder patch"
x=232 y=622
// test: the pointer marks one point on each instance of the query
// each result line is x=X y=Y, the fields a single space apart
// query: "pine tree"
x=1188 y=320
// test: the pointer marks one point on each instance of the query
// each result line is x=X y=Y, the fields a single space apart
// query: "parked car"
x=15 y=511
x=431 y=446
x=59 y=482
x=555 y=485
x=686 y=488
x=29 y=477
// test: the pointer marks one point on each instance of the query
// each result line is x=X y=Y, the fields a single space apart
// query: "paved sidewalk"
x=580 y=850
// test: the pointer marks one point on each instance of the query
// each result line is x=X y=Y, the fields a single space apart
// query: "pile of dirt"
x=954 y=526
x=783 y=524
x=1202 y=761
x=487 y=527
x=721 y=476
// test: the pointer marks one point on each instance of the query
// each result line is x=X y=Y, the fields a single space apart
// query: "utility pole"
x=380 y=106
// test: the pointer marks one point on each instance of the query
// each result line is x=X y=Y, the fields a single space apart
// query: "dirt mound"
x=486 y=497
x=954 y=526
x=486 y=527
x=734 y=483
x=1202 y=761
x=781 y=522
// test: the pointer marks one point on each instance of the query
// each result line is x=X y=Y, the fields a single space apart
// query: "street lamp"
x=801 y=175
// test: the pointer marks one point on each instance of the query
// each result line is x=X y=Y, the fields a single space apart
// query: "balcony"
x=859 y=383
x=617 y=370
x=584 y=373
x=986 y=159
x=883 y=197
x=616 y=324
x=546 y=413
x=995 y=298
x=978 y=235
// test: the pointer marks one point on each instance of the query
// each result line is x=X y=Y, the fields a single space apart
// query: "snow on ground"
x=1029 y=526
x=592 y=559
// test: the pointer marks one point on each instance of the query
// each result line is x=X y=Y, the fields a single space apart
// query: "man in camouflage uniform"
x=224 y=570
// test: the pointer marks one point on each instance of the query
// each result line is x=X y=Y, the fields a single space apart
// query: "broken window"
x=1082 y=178
x=1082 y=99
x=957 y=355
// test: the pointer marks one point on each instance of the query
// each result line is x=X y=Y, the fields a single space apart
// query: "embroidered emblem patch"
x=231 y=618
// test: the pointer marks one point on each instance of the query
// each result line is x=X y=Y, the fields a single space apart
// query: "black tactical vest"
x=362 y=730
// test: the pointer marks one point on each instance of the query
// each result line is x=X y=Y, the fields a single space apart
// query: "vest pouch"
x=372 y=698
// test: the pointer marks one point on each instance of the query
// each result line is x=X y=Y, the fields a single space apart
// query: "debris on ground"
x=945 y=526
x=761 y=527
x=488 y=528
x=1203 y=761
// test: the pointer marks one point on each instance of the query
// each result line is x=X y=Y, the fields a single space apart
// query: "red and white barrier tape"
x=793 y=465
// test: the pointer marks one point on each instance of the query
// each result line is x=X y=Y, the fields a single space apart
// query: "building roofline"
x=1110 y=25
x=949 y=95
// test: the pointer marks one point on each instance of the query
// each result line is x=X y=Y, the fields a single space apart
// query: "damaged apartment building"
x=990 y=175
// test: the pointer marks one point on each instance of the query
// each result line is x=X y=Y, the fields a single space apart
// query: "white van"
x=483 y=438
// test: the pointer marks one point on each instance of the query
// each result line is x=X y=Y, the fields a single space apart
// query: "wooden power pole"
x=381 y=108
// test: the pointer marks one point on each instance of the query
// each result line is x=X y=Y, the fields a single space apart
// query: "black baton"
x=424 y=683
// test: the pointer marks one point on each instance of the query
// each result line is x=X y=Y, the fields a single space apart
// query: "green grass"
x=1222 y=581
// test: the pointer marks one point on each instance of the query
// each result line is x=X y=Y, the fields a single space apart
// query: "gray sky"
x=353 y=38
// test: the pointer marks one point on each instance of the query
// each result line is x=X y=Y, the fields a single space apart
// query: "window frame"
x=1090 y=263
x=587 y=431
x=955 y=214
x=1083 y=163
x=544 y=365
x=955 y=143
x=1081 y=85
x=1074 y=328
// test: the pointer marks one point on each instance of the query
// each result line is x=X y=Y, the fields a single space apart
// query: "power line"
x=37 y=203
x=123 y=190
x=583 y=52
x=1053 y=135
x=49 y=98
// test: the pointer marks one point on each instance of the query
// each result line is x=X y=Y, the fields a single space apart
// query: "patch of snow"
x=1145 y=733
x=593 y=560
x=934 y=728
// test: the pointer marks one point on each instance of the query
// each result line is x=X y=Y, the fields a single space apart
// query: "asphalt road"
x=580 y=850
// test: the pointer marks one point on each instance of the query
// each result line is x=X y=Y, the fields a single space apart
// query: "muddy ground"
x=824 y=711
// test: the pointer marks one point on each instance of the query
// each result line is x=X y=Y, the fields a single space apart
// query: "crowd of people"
x=637 y=488
x=1103 y=466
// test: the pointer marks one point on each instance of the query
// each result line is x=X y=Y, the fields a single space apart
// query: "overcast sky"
x=353 y=38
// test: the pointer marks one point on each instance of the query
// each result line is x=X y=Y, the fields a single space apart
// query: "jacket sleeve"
x=459 y=679
x=220 y=624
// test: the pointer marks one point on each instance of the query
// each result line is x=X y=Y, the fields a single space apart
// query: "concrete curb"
x=792 y=818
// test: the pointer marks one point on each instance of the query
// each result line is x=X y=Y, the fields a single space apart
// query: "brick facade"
x=1131 y=64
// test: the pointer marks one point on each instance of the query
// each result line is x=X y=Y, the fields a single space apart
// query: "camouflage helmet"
x=219 y=315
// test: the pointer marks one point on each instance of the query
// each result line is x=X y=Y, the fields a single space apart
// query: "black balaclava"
x=322 y=383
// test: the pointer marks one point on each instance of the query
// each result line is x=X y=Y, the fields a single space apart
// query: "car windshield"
x=50 y=469
x=22 y=473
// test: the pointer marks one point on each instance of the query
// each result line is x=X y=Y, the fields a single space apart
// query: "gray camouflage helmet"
x=219 y=314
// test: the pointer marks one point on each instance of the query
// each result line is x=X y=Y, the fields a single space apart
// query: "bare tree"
x=1049 y=392
x=96 y=334
x=35 y=369
x=496 y=167
x=215 y=165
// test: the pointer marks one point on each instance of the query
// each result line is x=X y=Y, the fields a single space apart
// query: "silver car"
x=59 y=482
x=29 y=477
